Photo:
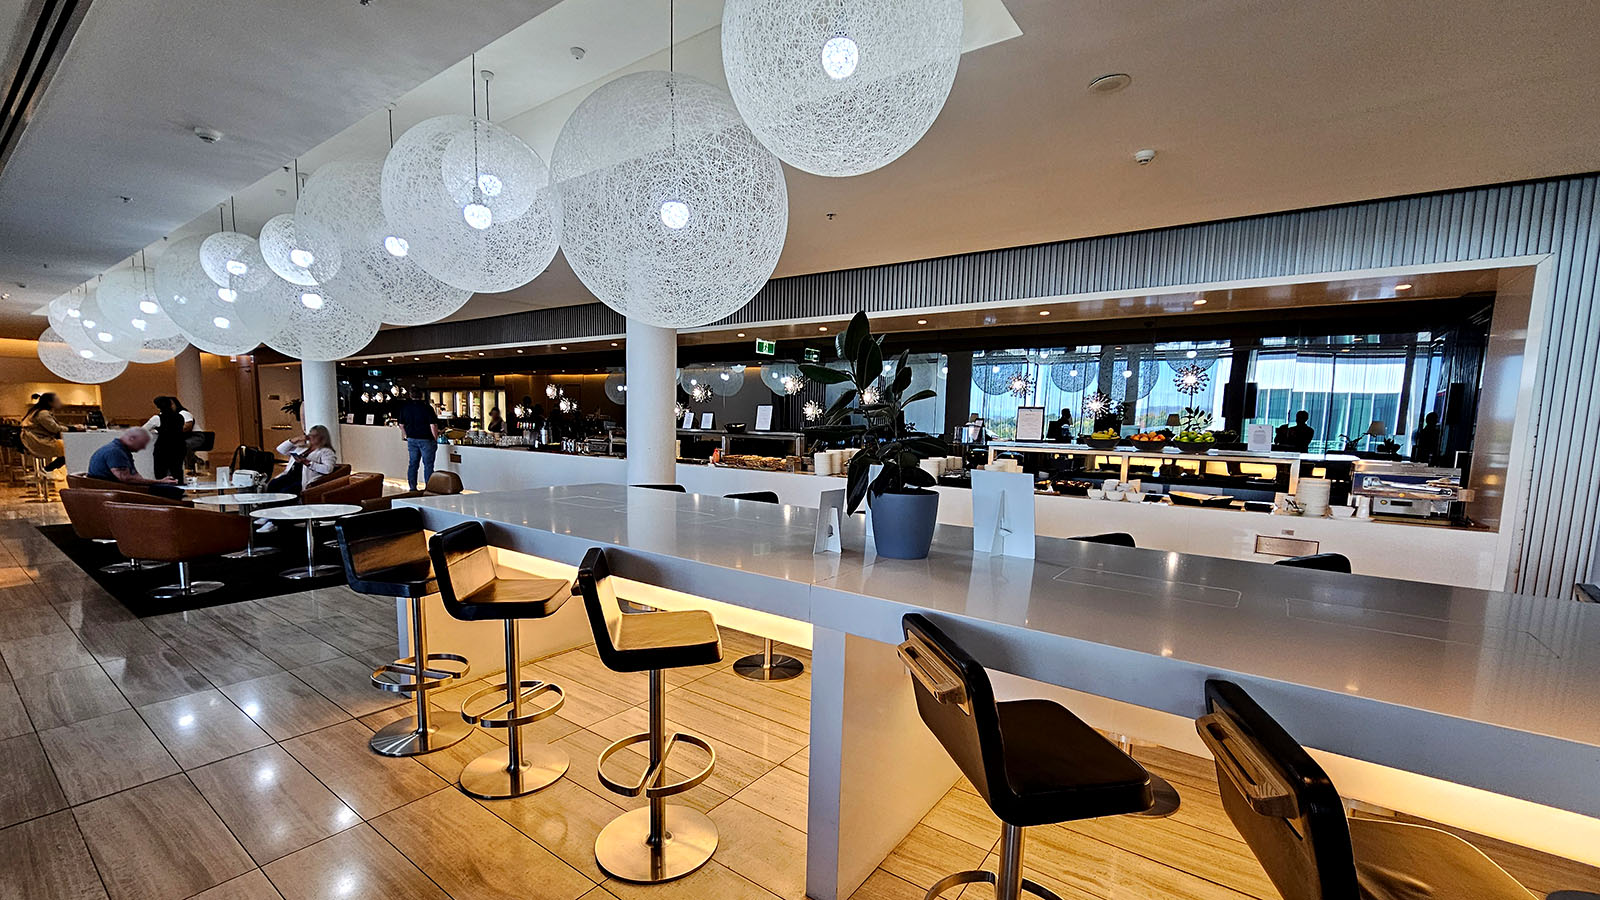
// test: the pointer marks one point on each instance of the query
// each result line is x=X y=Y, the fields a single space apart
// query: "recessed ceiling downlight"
x=1110 y=84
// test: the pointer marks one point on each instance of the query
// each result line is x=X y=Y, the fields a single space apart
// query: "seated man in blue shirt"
x=114 y=462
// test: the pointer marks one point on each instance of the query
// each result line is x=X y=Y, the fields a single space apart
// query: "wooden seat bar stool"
x=1032 y=761
x=661 y=841
x=385 y=554
x=475 y=588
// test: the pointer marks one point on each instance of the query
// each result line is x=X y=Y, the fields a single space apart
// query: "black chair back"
x=757 y=496
x=463 y=565
x=600 y=602
x=384 y=539
x=955 y=701
x=673 y=488
x=1327 y=562
x=1281 y=801
x=11 y=437
x=253 y=459
x=1118 y=538
x=201 y=441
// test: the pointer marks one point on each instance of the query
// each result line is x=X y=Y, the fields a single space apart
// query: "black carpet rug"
x=243 y=579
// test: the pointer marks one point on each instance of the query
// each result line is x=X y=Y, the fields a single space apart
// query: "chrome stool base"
x=132 y=565
x=250 y=553
x=491 y=776
x=979 y=876
x=402 y=737
x=768 y=666
x=623 y=848
x=193 y=588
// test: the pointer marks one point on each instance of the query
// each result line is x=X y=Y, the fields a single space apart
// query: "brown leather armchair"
x=85 y=509
x=354 y=489
x=89 y=482
x=176 y=534
x=342 y=470
x=440 y=484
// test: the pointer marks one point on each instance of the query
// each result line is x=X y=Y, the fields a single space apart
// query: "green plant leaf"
x=849 y=343
x=919 y=395
x=919 y=477
x=868 y=363
x=856 y=472
x=823 y=374
x=843 y=403
x=902 y=373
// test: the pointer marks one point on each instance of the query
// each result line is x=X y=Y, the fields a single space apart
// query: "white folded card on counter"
x=830 y=519
x=1002 y=513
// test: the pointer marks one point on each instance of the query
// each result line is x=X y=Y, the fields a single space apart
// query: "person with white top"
x=311 y=456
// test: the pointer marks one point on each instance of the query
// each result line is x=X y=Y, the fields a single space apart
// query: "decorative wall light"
x=812 y=410
x=1096 y=405
x=1022 y=385
x=672 y=213
x=840 y=87
x=1191 y=380
x=551 y=391
x=701 y=392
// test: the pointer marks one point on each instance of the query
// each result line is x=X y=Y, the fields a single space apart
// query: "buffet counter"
x=1486 y=695
x=1436 y=555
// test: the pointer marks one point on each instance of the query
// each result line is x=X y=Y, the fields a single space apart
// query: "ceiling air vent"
x=39 y=39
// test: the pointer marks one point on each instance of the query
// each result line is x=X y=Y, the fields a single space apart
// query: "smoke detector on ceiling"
x=1144 y=157
x=577 y=52
x=207 y=135
x=1110 y=84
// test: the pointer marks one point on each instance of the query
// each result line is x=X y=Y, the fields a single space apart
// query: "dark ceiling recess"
x=44 y=31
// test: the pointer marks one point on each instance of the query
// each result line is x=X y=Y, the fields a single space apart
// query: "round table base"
x=782 y=669
x=250 y=553
x=302 y=572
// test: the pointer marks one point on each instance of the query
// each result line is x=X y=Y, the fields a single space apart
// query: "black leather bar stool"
x=766 y=665
x=661 y=841
x=1290 y=814
x=474 y=589
x=1116 y=538
x=1327 y=562
x=386 y=555
x=1032 y=761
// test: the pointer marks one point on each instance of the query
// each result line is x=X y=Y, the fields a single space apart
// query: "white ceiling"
x=1254 y=106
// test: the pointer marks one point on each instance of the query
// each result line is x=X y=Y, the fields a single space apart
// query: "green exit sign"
x=813 y=355
x=765 y=347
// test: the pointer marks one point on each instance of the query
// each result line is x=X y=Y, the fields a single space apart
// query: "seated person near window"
x=311 y=456
x=114 y=462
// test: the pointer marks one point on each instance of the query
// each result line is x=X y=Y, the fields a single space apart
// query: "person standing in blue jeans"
x=421 y=427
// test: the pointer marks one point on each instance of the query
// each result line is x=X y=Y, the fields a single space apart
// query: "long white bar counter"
x=1489 y=690
x=1438 y=555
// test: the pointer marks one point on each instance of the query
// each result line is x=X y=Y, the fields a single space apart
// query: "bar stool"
x=1290 y=814
x=662 y=841
x=40 y=477
x=1327 y=562
x=766 y=665
x=386 y=555
x=1115 y=538
x=474 y=589
x=1032 y=761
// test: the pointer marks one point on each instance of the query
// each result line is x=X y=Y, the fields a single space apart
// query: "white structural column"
x=319 y=392
x=652 y=363
x=191 y=385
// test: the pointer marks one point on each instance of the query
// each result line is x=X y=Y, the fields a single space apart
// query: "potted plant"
x=871 y=413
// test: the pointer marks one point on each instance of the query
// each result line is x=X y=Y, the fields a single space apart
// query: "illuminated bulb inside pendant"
x=1190 y=354
x=86 y=354
x=477 y=215
x=311 y=300
x=301 y=258
x=221 y=322
x=839 y=57
x=724 y=376
x=104 y=336
x=88 y=323
x=674 y=214
x=148 y=307
x=235 y=267
x=1127 y=373
x=396 y=245
x=489 y=184
x=139 y=324
x=227 y=294
x=73 y=313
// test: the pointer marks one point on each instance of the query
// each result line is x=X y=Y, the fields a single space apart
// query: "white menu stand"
x=830 y=522
x=1002 y=513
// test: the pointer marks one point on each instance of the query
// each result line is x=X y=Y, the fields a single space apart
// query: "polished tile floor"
x=222 y=754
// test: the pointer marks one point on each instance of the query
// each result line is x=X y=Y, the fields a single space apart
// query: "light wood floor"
x=222 y=755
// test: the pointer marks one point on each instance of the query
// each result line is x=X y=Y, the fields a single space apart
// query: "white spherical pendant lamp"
x=280 y=247
x=474 y=203
x=65 y=313
x=377 y=270
x=80 y=366
x=157 y=350
x=234 y=261
x=128 y=299
x=616 y=387
x=103 y=335
x=672 y=213
x=840 y=87
x=314 y=322
x=200 y=308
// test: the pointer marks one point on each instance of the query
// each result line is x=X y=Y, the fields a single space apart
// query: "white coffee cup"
x=822 y=462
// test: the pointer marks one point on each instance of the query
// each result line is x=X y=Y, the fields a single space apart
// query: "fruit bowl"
x=1102 y=443
x=1195 y=446
x=1148 y=445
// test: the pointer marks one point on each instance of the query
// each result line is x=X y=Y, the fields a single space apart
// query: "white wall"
x=1435 y=555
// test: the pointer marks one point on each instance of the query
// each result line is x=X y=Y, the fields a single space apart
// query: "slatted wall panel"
x=1557 y=216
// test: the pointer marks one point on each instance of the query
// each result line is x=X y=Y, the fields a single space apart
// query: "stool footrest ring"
x=400 y=676
x=648 y=785
x=498 y=715
x=980 y=876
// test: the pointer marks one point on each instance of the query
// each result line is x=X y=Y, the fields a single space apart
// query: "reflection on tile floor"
x=222 y=755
